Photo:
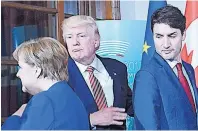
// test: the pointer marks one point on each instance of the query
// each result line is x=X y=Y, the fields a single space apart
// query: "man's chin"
x=79 y=59
x=167 y=57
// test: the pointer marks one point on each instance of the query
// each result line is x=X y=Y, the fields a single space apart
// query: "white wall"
x=138 y=9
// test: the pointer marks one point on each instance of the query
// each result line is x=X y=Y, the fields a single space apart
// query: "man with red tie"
x=100 y=83
x=165 y=93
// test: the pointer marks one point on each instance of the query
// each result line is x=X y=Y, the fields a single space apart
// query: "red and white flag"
x=190 y=49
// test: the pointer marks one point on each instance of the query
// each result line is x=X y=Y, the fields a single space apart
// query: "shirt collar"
x=174 y=62
x=96 y=64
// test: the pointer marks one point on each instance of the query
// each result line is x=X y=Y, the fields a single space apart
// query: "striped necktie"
x=98 y=92
x=185 y=85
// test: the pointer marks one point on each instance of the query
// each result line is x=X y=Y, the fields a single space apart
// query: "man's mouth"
x=76 y=50
x=167 y=51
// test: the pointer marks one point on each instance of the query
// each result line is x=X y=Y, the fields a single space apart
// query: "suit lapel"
x=173 y=79
x=117 y=91
x=168 y=71
x=117 y=88
x=77 y=82
x=190 y=74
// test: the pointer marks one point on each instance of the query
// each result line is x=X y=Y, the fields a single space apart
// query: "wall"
x=138 y=9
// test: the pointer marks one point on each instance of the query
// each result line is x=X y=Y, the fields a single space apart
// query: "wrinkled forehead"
x=78 y=29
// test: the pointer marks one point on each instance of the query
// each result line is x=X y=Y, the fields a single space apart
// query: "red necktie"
x=185 y=84
x=99 y=95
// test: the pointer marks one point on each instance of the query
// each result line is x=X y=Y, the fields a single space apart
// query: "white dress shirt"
x=103 y=77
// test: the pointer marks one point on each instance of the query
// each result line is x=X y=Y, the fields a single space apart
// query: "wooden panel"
x=28 y=7
x=8 y=62
x=83 y=7
x=68 y=15
x=60 y=18
x=49 y=22
x=108 y=5
x=92 y=9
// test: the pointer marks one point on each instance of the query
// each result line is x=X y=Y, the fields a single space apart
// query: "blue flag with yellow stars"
x=148 y=46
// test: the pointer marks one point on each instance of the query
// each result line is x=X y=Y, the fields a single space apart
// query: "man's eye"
x=172 y=36
x=68 y=37
x=158 y=36
x=82 y=36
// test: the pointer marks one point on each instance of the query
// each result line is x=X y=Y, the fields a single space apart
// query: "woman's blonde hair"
x=46 y=53
x=79 y=20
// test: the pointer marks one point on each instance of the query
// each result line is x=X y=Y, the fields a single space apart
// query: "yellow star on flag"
x=145 y=47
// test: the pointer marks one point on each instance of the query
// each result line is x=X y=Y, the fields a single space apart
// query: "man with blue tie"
x=165 y=93
x=100 y=83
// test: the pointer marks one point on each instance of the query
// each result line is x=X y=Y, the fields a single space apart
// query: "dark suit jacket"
x=58 y=108
x=121 y=90
x=160 y=101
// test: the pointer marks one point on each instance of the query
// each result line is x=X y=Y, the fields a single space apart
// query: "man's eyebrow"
x=80 y=33
x=174 y=33
x=68 y=34
x=158 y=34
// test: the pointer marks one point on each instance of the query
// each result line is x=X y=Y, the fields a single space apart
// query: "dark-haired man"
x=165 y=93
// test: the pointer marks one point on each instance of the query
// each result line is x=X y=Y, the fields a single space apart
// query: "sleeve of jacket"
x=11 y=123
x=129 y=106
x=37 y=115
x=146 y=102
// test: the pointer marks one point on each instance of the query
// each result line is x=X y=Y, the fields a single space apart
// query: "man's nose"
x=167 y=43
x=76 y=41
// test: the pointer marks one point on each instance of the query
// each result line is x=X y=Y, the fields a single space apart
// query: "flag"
x=148 y=46
x=189 y=51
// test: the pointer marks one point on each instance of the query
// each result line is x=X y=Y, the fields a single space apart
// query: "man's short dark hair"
x=171 y=16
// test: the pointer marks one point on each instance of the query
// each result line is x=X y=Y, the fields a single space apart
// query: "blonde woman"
x=44 y=74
